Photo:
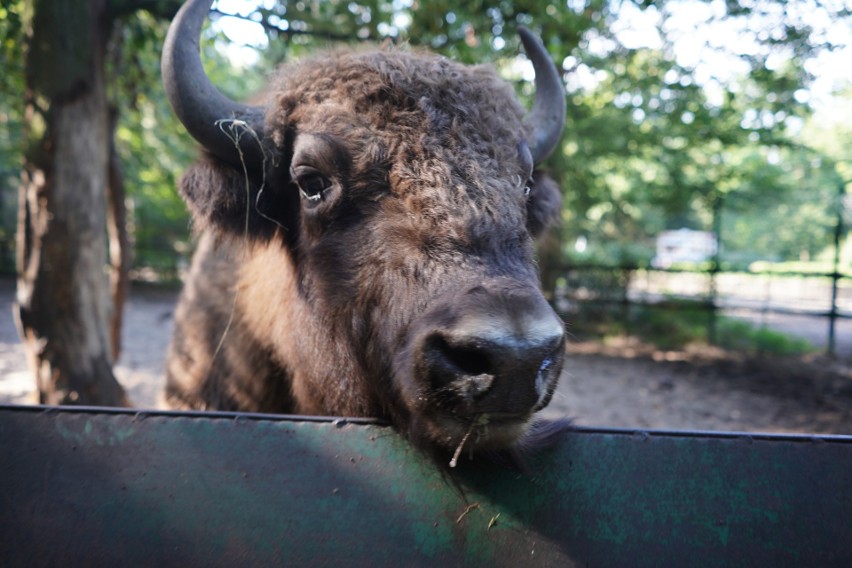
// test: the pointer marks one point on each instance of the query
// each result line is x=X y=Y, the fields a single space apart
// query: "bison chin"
x=481 y=364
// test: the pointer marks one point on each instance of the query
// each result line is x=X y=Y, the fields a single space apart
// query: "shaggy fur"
x=320 y=306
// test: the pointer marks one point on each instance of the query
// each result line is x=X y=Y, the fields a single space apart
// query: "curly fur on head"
x=417 y=120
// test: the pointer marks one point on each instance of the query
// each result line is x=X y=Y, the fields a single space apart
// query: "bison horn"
x=202 y=109
x=547 y=116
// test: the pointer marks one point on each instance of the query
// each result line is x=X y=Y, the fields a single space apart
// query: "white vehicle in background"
x=684 y=245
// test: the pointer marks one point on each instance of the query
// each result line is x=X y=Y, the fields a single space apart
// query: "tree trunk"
x=549 y=253
x=63 y=305
x=119 y=239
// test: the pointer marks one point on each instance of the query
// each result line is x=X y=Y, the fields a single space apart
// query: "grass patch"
x=737 y=335
x=811 y=267
x=674 y=324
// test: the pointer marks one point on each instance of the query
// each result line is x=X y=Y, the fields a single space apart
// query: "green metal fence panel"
x=88 y=487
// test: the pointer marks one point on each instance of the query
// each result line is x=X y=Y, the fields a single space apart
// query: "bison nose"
x=497 y=364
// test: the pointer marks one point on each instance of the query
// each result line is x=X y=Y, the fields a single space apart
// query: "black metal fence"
x=606 y=294
x=594 y=297
x=818 y=306
x=614 y=292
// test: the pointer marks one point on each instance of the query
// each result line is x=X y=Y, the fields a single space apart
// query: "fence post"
x=714 y=269
x=627 y=272
x=835 y=276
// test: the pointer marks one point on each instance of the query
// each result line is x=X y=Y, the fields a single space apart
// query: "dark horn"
x=196 y=102
x=547 y=116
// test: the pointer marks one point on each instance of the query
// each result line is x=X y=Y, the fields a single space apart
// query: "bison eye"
x=525 y=186
x=312 y=186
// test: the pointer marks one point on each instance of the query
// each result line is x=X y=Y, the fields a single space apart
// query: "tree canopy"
x=658 y=136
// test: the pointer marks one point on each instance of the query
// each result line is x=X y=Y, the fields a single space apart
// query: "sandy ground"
x=621 y=384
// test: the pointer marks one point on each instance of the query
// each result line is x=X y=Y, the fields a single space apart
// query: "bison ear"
x=545 y=203
x=223 y=201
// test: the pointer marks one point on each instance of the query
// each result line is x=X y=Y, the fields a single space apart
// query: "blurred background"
x=705 y=169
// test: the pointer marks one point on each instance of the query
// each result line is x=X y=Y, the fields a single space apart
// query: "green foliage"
x=154 y=147
x=786 y=209
x=738 y=335
x=13 y=16
x=651 y=143
x=611 y=253
x=674 y=324
x=647 y=149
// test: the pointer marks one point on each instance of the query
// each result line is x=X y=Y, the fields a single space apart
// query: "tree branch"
x=289 y=33
x=164 y=9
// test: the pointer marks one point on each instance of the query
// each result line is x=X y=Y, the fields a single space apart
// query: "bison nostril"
x=466 y=359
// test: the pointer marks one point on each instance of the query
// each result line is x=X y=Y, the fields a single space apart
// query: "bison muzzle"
x=367 y=242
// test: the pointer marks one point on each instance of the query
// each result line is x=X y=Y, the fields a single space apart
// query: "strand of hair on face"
x=235 y=129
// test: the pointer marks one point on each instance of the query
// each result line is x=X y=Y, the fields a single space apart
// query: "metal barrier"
x=618 y=288
x=123 y=488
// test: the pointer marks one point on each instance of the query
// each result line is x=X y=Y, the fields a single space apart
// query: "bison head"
x=383 y=205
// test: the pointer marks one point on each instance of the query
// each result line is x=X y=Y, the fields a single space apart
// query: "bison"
x=366 y=242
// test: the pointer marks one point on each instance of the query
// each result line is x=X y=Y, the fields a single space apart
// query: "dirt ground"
x=621 y=384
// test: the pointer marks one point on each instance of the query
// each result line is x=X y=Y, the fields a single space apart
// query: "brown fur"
x=324 y=299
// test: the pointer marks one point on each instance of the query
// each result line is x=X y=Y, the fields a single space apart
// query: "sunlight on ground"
x=16 y=388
